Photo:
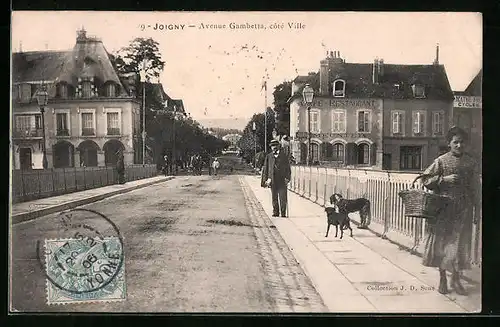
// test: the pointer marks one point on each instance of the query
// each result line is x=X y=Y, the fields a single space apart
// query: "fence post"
x=84 y=179
x=310 y=182
x=348 y=183
x=76 y=182
x=39 y=184
x=317 y=184
x=53 y=183
x=23 y=186
x=324 y=189
x=387 y=206
x=64 y=175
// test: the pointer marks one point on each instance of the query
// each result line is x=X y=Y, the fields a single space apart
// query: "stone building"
x=92 y=113
x=372 y=115
x=467 y=113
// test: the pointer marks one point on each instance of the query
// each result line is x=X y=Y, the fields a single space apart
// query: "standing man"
x=276 y=175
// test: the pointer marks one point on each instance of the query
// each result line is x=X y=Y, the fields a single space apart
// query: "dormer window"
x=86 y=89
x=339 y=88
x=62 y=90
x=111 y=90
x=418 y=91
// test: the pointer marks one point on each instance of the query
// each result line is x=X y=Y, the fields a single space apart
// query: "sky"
x=218 y=72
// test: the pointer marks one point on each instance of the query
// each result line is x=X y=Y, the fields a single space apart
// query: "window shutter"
x=368 y=121
x=421 y=121
x=395 y=125
x=415 y=122
x=360 y=121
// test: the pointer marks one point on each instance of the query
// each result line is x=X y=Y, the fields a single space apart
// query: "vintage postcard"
x=236 y=162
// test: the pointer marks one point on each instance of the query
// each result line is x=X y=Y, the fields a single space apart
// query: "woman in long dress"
x=448 y=242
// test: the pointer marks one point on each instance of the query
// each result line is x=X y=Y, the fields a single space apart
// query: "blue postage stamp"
x=84 y=270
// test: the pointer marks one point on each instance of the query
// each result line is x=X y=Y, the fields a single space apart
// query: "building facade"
x=467 y=114
x=379 y=116
x=91 y=113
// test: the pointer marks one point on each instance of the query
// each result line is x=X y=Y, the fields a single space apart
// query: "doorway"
x=25 y=158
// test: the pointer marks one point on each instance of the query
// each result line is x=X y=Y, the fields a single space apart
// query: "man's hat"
x=274 y=143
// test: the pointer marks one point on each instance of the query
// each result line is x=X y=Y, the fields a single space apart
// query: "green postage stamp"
x=84 y=270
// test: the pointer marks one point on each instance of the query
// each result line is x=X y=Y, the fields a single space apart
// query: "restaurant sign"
x=463 y=101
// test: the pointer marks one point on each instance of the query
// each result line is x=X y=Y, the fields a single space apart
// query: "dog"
x=338 y=219
x=347 y=206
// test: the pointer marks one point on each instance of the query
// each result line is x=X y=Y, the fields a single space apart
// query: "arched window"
x=363 y=154
x=338 y=152
x=339 y=88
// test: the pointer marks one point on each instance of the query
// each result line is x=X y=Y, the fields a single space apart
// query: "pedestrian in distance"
x=448 y=242
x=276 y=174
x=120 y=167
x=165 y=165
x=215 y=166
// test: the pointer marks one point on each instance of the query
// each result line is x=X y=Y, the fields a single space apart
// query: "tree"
x=246 y=143
x=189 y=136
x=132 y=57
x=281 y=94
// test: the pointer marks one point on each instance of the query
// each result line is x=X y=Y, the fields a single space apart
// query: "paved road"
x=195 y=243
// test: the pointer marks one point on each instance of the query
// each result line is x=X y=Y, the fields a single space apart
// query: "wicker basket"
x=422 y=204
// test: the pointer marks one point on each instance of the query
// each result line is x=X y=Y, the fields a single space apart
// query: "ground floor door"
x=25 y=158
x=387 y=161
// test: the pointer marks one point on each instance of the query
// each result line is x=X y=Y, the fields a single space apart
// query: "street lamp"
x=143 y=75
x=308 y=94
x=42 y=97
x=254 y=129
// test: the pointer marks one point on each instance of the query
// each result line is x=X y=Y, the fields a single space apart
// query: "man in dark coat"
x=276 y=175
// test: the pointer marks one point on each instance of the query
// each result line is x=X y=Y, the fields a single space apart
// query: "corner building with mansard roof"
x=372 y=115
x=92 y=113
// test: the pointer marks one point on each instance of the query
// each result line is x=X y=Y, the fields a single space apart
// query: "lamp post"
x=143 y=75
x=254 y=128
x=174 y=154
x=308 y=94
x=42 y=97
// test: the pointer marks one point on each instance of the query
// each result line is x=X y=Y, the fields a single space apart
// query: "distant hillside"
x=226 y=123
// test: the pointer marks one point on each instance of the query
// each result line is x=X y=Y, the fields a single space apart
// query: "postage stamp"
x=84 y=269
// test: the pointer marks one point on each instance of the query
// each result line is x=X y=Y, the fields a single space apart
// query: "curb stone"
x=31 y=215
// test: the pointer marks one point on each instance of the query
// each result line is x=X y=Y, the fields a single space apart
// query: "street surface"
x=192 y=244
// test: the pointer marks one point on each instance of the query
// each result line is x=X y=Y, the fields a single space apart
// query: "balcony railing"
x=113 y=131
x=27 y=133
x=88 y=132
x=62 y=132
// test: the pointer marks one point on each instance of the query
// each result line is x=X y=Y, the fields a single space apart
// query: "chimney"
x=323 y=75
x=436 y=61
x=380 y=69
x=375 y=71
x=81 y=35
x=332 y=54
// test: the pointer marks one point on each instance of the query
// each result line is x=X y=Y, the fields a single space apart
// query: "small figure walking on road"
x=215 y=165
x=447 y=245
x=120 y=167
x=165 y=165
x=276 y=174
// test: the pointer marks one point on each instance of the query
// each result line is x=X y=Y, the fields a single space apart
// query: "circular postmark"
x=85 y=261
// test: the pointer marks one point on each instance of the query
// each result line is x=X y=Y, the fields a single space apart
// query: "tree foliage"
x=132 y=57
x=189 y=137
x=281 y=94
x=246 y=143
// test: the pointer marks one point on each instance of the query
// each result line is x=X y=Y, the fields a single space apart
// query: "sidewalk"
x=25 y=211
x=364 y=273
